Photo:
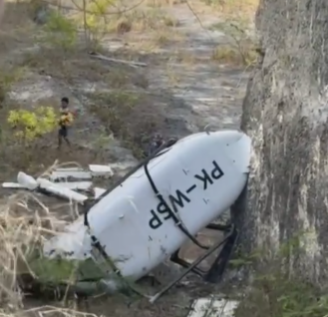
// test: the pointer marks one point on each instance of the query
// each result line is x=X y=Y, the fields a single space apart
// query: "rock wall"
x=285 y=112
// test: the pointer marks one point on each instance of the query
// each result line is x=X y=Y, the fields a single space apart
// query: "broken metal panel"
x=100 y=170
x=69 y=169
x=98 y=192
x=57 y=190
x=11 y=185
x=76 y=185
x=213 y=307
x=81 y=174
x=63 y=181
x=27 y=181
x=65 y=174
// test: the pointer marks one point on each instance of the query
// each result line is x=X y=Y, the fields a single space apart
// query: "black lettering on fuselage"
x=179 y=200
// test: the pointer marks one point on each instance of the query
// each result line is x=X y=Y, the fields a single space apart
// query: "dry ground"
x=195 y=76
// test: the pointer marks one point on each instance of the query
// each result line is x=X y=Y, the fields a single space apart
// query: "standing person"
x=65 y=120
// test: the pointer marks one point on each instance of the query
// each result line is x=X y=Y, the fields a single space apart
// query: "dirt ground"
x=182 y=88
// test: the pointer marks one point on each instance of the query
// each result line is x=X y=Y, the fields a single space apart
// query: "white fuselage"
x=202 y=175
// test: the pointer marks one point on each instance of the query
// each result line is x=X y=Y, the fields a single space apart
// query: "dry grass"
x=73 y=68
x=244 y=55
x=141 y=20
x=166 y=39
x=24 y=223
x=131 y=116
x=274 y=293
x=182 y=56
x=237 y=24
x=235 y=7
x=241 y=43
x=161 y=3
x=120 y=19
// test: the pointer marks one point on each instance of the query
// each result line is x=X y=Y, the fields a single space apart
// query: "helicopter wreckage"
x=164 y=201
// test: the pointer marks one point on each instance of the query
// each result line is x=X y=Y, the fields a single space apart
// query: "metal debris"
x=83 y=185
x=27 y=181
x=66 y=174
x=72 y=183
x=213 y=307
x=101 y=171
x=76 y=173
x=11 y=185
x=98 y=192
x=58 y=190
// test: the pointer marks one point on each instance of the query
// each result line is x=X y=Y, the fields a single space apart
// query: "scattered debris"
x=213 y=307
x=77 y=173
x=58 y=190
x=89 y=239
x=72 y=173
x=65 y=182
x=114 y=60
x=82 y=186
x=101 y=170
x=27 y=181
x=10 y=185
x=98 y=192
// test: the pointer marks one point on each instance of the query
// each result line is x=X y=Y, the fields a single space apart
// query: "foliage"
x=277 y=292
x=242 y=47
x=7 y=79
x=103 y=140
x=274 y=294
x=82 y=275
x=127 y=116
x=28 y=125
x=235 y=7
x=60 y=31
x=95 y=20
x=59 y=270
x=113 y=108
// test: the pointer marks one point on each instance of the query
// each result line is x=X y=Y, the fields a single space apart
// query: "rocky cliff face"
x=285 y=112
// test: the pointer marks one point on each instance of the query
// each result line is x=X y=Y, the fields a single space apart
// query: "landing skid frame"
x=215 y=272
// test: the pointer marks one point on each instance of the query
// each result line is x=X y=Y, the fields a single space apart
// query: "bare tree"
x=285 y=112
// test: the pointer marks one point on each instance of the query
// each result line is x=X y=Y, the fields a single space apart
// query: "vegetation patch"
x=128 y=115
x=276 y=289
x=244 y=9
x=241 y=47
